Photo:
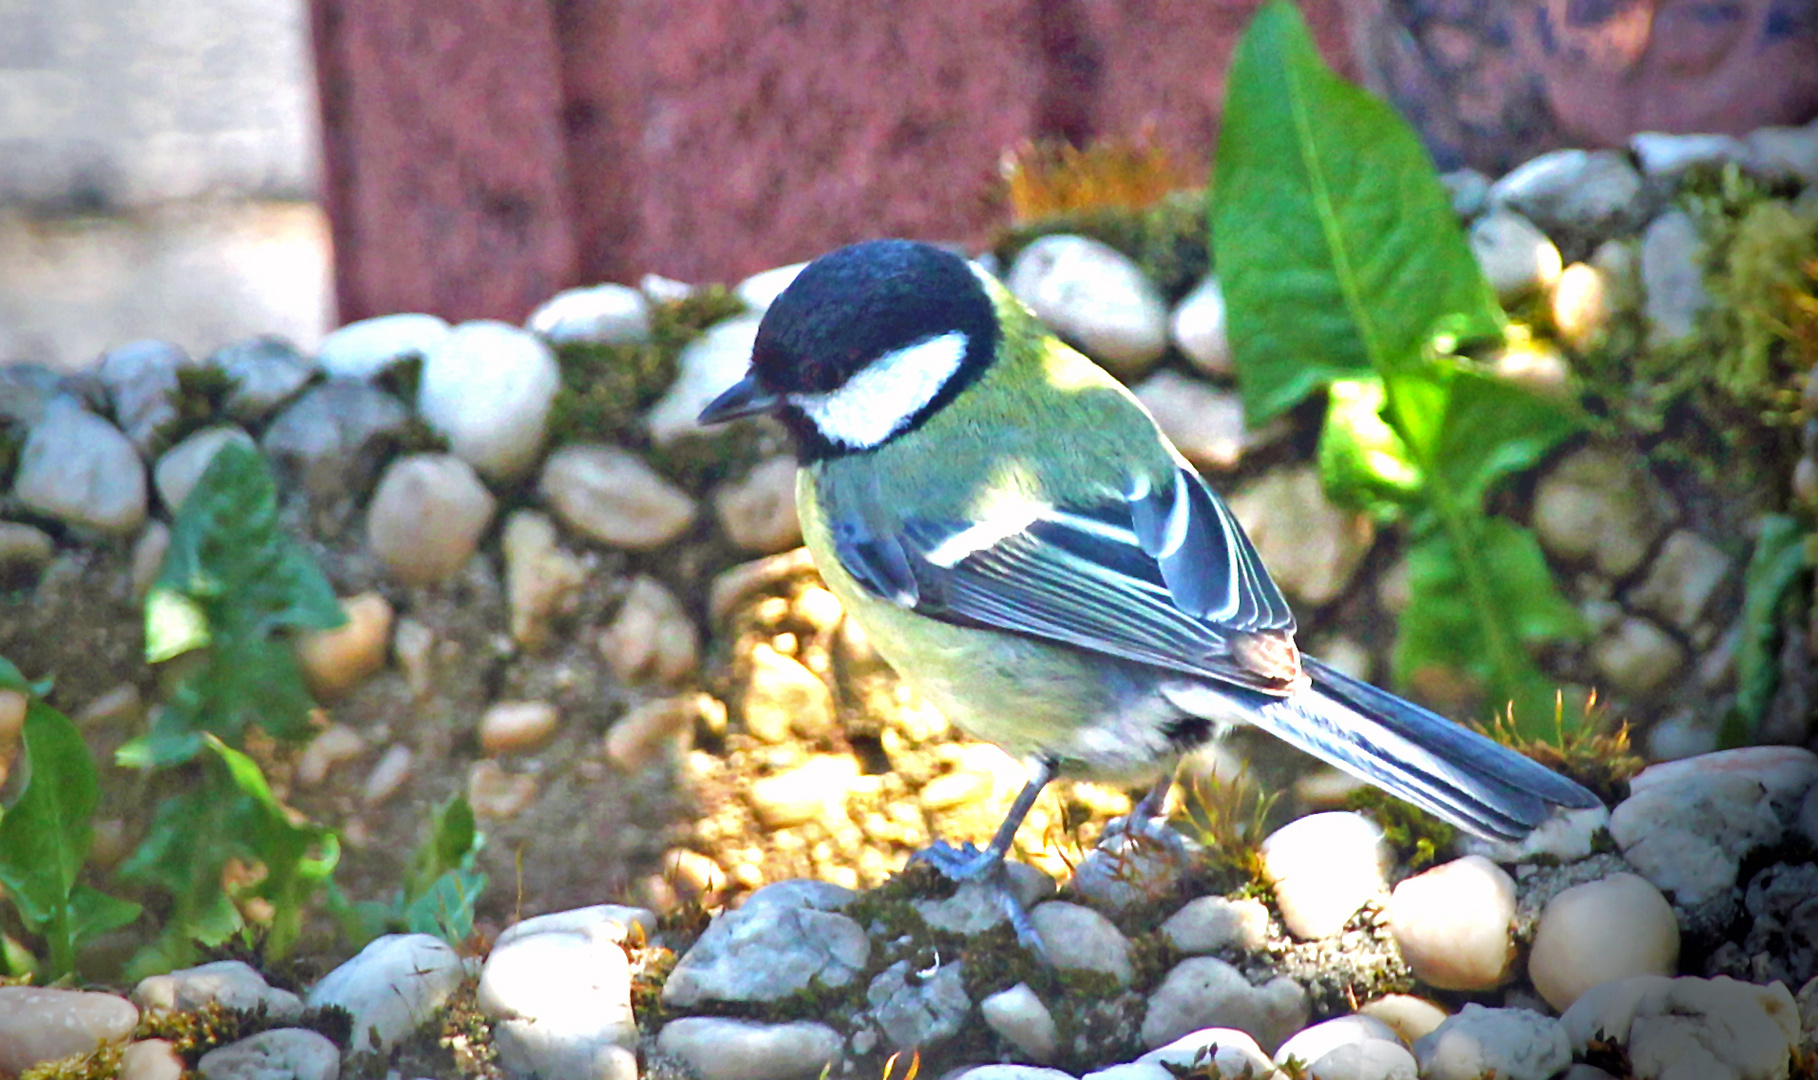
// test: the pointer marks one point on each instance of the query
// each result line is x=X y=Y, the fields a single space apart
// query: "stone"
x=38 y=1025
x=704 y=369
x=148 y=558
x=277 y=1054
x=1510 y=1044
x=487 y=388
x=266 y=372
x=559 y=996
x=654 y=731
x=24 y=551
x=757 y=513
x=1469 y=190
x=25 y=391
x=498 y=794
x=542 y=579
x=1011 y=1072
x=1782 y=939
x=784 y=937
x=607 y=314
x=1410 y=1016
x=141 y=379
x=609 y=495
x=1213 y=923
x=335 y=661
x=919 y=1009
x=1517 y=259
x=782 y=697
x=1452 y=924
x=1205 y=992
x=732 y=587
x=651 y=637
x=393 y=986
x=1311 y=547
x=1532 y=364
x=1204 y=423
x=333 y=745
x=1018 y=1016
x=1599 y=932
x=761 y=289
x=363 y=349
x=1583 y=303
x=1369 y=1060
x=514 y=727
x=182 y=465
x=1667 y=157
x=1682 y=735
x=617 y=923
x=664 y=290
x=815 y=789
x=1585 y=195
x=1565 y=836
x=388 y=775
x=79 y=469
x=427 y=517
x=1690 y=1029
x=1672 y=277
x=1093 y=295
x=1131 y=865
x=151 y=1059
x=233 y=984
x=1323 y=867
x=1080 y=939
x=1229 y=1051
x=721 y=1048
x=1784 y=152
x=1598 y=507
x=1682 y=580
x=1197 y=329
x=1313 y=1043
x=331 y=439
x=695 y=876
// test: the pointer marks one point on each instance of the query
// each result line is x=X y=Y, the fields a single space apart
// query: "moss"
x=1596 y=752
x=1417 y=836
x=194 y=1032
x=100 y=1064
x=200 y=401
x=1168 y=240
x=698 y=462
x=1755 y=277
x=12 y=447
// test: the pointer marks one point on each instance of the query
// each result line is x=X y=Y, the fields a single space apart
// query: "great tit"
x=1021 y=542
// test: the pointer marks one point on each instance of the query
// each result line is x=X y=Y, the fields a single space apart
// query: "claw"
x=968 y=863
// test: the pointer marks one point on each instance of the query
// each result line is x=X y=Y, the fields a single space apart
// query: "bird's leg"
x=967 y=863
x=1148 y=820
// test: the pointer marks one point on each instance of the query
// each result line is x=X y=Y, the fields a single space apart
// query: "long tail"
x=1417 y=755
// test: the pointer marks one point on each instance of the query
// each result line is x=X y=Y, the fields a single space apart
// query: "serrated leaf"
x=1775 y=567
x=1363 y=464
x=1337 y=248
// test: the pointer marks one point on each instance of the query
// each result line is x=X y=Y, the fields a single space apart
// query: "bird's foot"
x=1138 y=830
x=967 y=863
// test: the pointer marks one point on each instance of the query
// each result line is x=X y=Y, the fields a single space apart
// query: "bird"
x=1021 y=542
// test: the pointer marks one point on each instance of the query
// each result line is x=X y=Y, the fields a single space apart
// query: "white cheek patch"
x=877 y=402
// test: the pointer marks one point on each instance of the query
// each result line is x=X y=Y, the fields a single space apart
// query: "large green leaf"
x=1363 y=463
x=1336 y=245
x=1777 y=565
x=1492 y=429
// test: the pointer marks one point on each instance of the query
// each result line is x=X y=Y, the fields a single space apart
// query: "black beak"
x=742 y=398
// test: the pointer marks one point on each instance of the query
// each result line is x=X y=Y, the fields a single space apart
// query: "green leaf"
x=174 y=624
x=93 y=912
x=45 y=834
x=1777 y=565
x=452 y=843
x=1337 y=248
x=298 y=858
x=1363 y=464
x=1492 y=429
x=446 y=908
x=10 y=678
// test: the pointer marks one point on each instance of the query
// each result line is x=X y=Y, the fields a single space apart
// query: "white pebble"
x=600 y=314
x=1672 y=277
x=656 y=730
x=1690 y=1028
x=487 y=388
x=608 y=494
x=761 y=289
x=513 y=727
x=1583 y=304
x=757 y=512
x=1601 y=931
x=559 y=996
x=1371 y=1060
x=1324 y=867
x=721 y=1048
x=393 y=986
x=1090 y=293
x=815 y=789
x=705 y=368
x=290 y=1053
x=1204 y=423
x=1080 y=939
x=1210 y=923
x=1410 y=1016
x=1020 y=1018
x=541 y=578
x=363 y=349
x=1452 y=924
x=651 y=637
x=1517 y=259
x=1198 y=328
x=1510 y=1044
x=1231 y=1051
x=183 y=464
x=1204 y=991
x=1311 y=1044
x=79 y=469
x=387 y=775
x=427 y=516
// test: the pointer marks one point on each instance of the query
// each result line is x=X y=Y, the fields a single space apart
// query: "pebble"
x=79 y=469
x=1369 y=1060
x=813 y=790
x=513 y=727
x=1684 y=734
x=757 y=512
x=696 y=876
x=1232 y=1052
x=732 y=587
x=1011 y=1072
x=1323 y=867
x=653 y=731
x=333 y=745
x=25 y=390
x=498 y=794
x=24 y=550
x=388 y=775
x=664 y=290
x=721 y=1048
x=1452 y=924
x=1080 y=939
x=542 y=579
x=1517 y=259
x=1204 y=423
x=39 y=1025
x=1672 y=277
x=1469 y=191
x=1598 y=506
x=1092 y=294
x=330 y=441
x=608 y=494
x=151 y=1059
x=783 y=697
x=1203 y=991
x=1583 y=303
x=1411 y=1017
x=761 y=289
x=617 y=923
x=917 y=1009
x=148 y=558
x=607 y=314
x=277 y=1054
x=1212 y=923
x=1666 y=157
x=267 y=372
x=559 y=995
x=651 y=637
x=1311 y=1044
x=427 y=516
x=784 y=937
x=1509 y=1044
x=183 y=464
x=141 y=378
x=335 y=661
x=1311 y=547
x=394 y=985
x=1682 y=580
x=363 y=349
x=1131 y=866
x=975 y=907
x=1784 y=152
x=1708 y=1029
x=233 y=984
x=1585 y=195
x=1599 y=932
x=1197 y=328
x=487 y=388
x=1018 y=1016
x=705 y=368
x=1565 y=836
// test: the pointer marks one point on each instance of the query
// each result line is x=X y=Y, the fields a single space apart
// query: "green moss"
x=1756 y=267
x=1417 y=836
x=1168 y=240
x=401 y=378
x=200 y=402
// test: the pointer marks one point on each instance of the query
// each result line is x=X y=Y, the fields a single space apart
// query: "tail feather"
x=1415 y=754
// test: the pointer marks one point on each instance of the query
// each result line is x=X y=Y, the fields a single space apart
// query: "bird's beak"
x=742 y=398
